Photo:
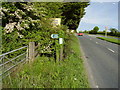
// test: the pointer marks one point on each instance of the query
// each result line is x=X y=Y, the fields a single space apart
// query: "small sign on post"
x=60 y=40
x=61 y=48
x=54 y=35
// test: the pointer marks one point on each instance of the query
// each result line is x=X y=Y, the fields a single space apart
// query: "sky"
x=100 y=14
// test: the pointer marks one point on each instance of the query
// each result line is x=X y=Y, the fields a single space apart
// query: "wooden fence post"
x=57 y=52
x=61 y=52
x=27 y=54
x=31 y=51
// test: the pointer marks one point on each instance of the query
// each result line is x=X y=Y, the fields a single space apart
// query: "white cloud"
x=114 y=3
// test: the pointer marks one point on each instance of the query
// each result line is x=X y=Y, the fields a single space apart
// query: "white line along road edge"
x=111 y=50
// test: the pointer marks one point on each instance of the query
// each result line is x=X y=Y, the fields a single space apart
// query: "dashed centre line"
x=96 y=42
x=111 y=50
x=107 y=48
x=97 y=86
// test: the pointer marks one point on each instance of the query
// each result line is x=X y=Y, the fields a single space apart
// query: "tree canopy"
x=72 y=13
x=95 y=30
x=23 y=22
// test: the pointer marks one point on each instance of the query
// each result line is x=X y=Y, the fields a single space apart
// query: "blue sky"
x=100 y=14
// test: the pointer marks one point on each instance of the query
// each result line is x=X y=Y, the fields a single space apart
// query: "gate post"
x=31 y=51
x=27 y=54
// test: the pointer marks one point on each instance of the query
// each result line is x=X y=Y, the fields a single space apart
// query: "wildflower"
x=75 y=78
x=18 y=26
x=9 y=27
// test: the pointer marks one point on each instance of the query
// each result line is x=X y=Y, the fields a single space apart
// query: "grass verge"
x=116 y=41
x=45 y=73
x=109 y=36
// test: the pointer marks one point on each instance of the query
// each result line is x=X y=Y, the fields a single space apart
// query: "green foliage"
x=72 y=13
x=114 y=32
x=49 y=9
x=85 y=31
x=1 y=39
x=95 y=30
x=80 y=31
x=24 y=22
x=30 y=21
x=45 y=73
x=101 y=32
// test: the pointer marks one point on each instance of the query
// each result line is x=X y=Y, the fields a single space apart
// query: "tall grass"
x=45 y=73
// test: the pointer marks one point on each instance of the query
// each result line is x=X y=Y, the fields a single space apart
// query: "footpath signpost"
x=61 y=48
x=58 y=47
x=59 y=54
x=55 y=36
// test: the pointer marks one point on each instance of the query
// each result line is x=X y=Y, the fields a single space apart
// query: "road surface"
x=102 y=58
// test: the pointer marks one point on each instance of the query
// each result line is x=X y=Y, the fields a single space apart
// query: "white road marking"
x=96 y=42
x=97 y=86
x=111 y=50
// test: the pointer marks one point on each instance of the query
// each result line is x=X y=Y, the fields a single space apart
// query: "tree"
x=29 y=21
x=113 y=31
x=25 y=22
x=95 y=30
x=72 y=13
x=85 y=31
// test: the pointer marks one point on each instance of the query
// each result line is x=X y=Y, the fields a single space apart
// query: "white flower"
x=33 y=24
x=26 y=26
x=21 y=36
x=28 y=8
x=0 y=8
x=29 y=18
x=75 y=78
x=18 y=26
x=4 y=9
x=16 y=13
x=9 y=27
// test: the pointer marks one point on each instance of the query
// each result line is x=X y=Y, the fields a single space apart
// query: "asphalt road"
x=102 y=58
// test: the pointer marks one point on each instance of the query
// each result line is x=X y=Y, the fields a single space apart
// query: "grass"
x=45 y=73
x=116 y=41
x=109 y=36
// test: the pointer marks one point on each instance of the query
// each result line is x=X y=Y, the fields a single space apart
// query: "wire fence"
x=7 y=63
